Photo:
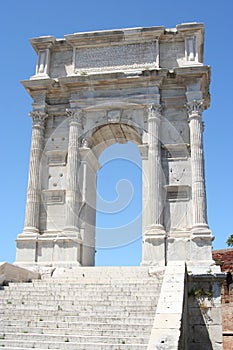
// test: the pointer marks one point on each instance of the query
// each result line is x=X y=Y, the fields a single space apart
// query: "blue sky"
x=21 y=20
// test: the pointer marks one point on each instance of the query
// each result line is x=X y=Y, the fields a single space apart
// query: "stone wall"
x=204 y=312
x=224 y=257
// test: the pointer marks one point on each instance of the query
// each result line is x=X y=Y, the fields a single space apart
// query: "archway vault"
x=112 y=133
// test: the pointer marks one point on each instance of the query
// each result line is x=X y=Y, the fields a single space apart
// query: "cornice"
x=43 y=42
x=35 y=85
x=114 y=37
x=188 y=71
x=99 y=80
x=105 y=78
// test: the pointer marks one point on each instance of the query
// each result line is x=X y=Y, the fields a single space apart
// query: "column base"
x=71 y=232
x=201 y=230
x=29 y=231
x=154 y=230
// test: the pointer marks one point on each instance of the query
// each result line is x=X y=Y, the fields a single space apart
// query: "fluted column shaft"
x=72 y=191
x=154 y=160
x=31 y=224
x=195 y=108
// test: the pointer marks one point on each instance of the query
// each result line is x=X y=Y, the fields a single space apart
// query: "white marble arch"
x=77 y=113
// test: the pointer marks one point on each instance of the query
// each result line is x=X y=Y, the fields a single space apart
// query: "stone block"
x=13 y=273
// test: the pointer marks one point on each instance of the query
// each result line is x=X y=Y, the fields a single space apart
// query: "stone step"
x=85 y=293
x=62 y=309
x=40 y=290
x=96 y=330
x=107 y=272
x=76 y=303
x=83 y=287
x=89 y=346
x=63 y=306
x=119 y=339
x=94 y=299
x=93 y=284
x=74 y=322
x=72 y=297
x=47 y=315
x=99 y=309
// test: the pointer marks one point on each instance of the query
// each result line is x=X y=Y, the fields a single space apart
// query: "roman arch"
x=90 y=90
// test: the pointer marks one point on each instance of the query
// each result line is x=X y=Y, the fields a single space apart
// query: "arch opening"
x=119 y=206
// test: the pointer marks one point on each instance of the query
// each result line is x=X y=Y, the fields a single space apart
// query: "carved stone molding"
x=195 y=107
x=38 y=118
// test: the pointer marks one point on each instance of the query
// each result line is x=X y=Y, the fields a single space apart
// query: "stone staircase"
x=81 y=309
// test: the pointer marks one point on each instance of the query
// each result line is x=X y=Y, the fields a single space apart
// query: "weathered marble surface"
x=91 y=90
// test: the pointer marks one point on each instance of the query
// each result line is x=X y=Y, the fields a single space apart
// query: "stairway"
x=97 y=308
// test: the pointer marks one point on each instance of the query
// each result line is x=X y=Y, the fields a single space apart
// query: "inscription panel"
x=116 y=57
x=51 y=197
x=178 y=193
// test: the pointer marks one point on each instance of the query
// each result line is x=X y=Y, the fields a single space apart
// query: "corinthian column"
x=72 y=191
x=195 y=108
x=31 y=224
x=155 y=171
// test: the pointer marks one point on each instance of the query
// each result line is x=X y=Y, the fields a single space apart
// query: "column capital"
x=38 y=119
x=154 y=110
x=195 y=108
x=75 y=115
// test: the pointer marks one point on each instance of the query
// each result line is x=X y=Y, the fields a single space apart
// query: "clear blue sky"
x=21 y=20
